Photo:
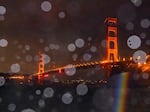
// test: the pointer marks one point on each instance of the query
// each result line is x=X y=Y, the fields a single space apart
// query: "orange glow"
x=112 y=44
x=16 y=77
x=46 y=76
x=59 y=71
x=124 y=59
x=40 y=66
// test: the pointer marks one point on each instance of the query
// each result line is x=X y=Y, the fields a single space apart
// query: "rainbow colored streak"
x=121 y=92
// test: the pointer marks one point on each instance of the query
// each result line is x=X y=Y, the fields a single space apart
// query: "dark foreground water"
x=74 y=97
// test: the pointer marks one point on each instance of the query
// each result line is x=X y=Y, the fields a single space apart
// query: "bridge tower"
x=112 y=43
x=40 y=67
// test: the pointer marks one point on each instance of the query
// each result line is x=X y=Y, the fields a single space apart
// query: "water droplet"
x=67 y=98
x=29 y=58
x=46 y=6
x=41 y=103
x=93 y=49
x=2 y=81
x=71 y=47
x=82 y=89
x=11 y=107
x=145 y=75
x=87 y=57
x=79 y=43
x=70 y=70
x=139 y=57
x=137 y=3
x=134 y=42
x=2 y=10
x=38 y=92
x=3 y=43
x=48 y=92
x=129 y=26
x=15 y=68
x=61 y=15
x=28 y=110
x=145 y=23
x=46 y=59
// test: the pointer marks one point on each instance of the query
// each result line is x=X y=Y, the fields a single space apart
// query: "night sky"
x=30 y=26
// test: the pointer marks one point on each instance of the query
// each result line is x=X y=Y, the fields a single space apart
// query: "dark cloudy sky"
x=29 y=29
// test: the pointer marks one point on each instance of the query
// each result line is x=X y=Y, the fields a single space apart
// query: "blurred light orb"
x=73 y=8
x=2 y=10
x=75 y=56
x=79 y=43
x=71 y=47
x=129 y=26
x=27 y=47
x=147 y=42
x=67 y=98
x=145 y=23
x=134 y=42
x=28 y=110
x=36 y=58
x=52 y=46
x=46 y=59
x=2 y=59
x=143 y=35
x=48 y=92
x=38 y=92
x=126 y=13
x=41 y=103
x=137 y=3
x=139 y=57
x=15 y=68
x=41 y=40
x=2 y=81
x=145 y=75
x=3 y=43
x=89 y=38
x=61 y=15
x=11 y=107
x=29 y=58
x=46 y=6
x=93 y=49
x=87 y=57
x=46 y=49
x=82 y=89
x=70 y=70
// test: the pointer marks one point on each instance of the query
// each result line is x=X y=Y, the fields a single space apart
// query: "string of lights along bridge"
x=112 y=58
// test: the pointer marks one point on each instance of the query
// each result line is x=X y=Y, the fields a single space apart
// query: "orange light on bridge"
x=59 y=71
x=131 y=58
x=46 y=75
x=17 y=77
x=124 y=59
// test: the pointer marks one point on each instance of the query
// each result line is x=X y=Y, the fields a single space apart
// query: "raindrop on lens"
x=82 y=89
x=2 y=81
x=46 y=6
x=67 y=98
x=11 y=107
x=71 y=47
x=48 y=92
x=134 y=42
x=70 y=70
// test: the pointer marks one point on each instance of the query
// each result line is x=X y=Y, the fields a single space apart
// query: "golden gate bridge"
x=112 y=58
